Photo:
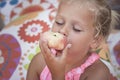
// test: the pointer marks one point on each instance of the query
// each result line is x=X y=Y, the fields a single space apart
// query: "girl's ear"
x=96 y=42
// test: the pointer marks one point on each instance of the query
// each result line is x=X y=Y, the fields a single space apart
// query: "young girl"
x=85 y=23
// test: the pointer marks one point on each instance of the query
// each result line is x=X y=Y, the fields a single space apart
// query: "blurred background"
x=22 y=21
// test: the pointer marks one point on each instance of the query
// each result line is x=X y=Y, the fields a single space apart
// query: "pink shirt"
x=75 y=73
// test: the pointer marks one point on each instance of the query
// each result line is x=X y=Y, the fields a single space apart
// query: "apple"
x=55 y=40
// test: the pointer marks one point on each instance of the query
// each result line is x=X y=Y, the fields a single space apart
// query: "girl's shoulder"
x=97 y=71
x=35 y=68
x=39 y=62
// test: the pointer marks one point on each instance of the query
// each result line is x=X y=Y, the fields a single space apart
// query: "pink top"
x=75 y=73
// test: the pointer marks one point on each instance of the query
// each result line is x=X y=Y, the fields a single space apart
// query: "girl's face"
x=76 y=23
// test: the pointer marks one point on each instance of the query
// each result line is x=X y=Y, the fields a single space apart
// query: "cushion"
x=19 y=42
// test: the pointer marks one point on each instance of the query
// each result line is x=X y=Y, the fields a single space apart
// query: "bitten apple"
x=55 y=40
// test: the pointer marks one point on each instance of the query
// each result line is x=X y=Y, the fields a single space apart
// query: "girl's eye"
x=59 y=22
x=76 y=28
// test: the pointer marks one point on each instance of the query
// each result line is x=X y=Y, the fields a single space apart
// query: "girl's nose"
x=64 y=30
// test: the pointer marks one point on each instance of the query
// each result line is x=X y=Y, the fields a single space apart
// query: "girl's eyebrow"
x=59 y=15
x=80 y=23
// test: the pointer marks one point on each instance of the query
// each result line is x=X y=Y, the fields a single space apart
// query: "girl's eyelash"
x=77 y=30
x=58 y=23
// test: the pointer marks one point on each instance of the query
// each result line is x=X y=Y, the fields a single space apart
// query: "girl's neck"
x=76 y=64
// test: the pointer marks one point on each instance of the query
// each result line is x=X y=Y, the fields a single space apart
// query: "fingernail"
x=69 y=45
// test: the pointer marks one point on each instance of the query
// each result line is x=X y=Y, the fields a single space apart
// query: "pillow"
x=12 y=9
x=114 y=47
x=19 y=42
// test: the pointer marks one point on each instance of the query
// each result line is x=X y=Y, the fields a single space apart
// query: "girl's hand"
x=56 y=64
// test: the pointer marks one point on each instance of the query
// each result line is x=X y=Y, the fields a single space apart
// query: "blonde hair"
x=105 y=17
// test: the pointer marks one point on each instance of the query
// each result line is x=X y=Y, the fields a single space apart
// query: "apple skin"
x=55 y=40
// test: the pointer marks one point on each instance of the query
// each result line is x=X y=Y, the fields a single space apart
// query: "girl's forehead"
x=80 y=7
x=80 y=4
x=75 y=13
x=86 y=8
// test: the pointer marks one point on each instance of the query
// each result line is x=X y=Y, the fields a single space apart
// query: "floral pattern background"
x=19 y=40
x=19 y=43
x=24 y=21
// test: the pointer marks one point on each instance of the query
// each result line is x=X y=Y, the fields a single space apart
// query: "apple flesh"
x=55 y=40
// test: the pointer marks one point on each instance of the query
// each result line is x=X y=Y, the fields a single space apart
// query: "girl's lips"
x=56 y=52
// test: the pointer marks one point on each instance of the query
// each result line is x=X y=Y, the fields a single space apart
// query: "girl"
x=85 y=23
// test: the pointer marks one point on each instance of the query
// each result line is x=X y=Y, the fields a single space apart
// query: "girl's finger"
x=42 y=49
x=47 y=52
x=65 y=51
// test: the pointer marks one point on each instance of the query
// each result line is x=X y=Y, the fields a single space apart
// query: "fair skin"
x=76 y=23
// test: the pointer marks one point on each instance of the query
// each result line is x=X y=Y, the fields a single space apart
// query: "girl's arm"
x=97 y=71
x=100 y=75
x=35 y=67
x=55 y=63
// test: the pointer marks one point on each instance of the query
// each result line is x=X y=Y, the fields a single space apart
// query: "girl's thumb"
x=65 y=51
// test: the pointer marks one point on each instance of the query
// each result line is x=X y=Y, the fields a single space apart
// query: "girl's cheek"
x=55 y=29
